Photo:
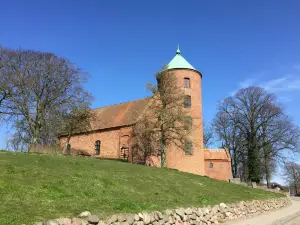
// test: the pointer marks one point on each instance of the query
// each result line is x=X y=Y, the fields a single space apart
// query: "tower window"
x=188 y=147
x=211 y=165
x=188 y=122
x=187 y=82
x=97 y=147
x=187 y=101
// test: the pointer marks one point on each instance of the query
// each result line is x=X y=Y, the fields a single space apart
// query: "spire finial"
x=178 y=50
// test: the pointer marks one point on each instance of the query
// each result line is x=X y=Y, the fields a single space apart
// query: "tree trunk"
x=66 y=150
x=163 y=150
x=267 y=168
x=235 y=163
x=253 y=159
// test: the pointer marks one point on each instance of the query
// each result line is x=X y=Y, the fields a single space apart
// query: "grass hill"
x=36 y=187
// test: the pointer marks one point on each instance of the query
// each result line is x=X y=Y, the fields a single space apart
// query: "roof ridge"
x=121 y=103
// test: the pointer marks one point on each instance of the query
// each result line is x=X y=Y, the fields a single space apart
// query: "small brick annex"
x=111 y=133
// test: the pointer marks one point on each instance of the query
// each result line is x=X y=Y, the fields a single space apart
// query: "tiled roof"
x=118 y=115
x=220 y=154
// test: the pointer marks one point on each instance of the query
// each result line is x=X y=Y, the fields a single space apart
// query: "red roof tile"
x=118 y=115
x=220 y=154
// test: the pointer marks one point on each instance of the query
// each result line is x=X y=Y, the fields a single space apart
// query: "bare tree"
x=38 y=86
x=78 y=120
x=229 y=135
x=165 y=118
x=291 y=173
x=254 y=117
x=208 y=135
x=277 y=135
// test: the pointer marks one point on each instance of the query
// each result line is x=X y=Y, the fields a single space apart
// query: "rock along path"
x=289 y=215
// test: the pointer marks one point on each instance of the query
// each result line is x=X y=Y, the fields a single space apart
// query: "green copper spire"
x=178 y=50
x=178 y=62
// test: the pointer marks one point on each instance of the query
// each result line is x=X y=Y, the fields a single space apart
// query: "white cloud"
x=282 y=84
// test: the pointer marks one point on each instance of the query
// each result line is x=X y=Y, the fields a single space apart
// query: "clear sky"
x=121 y=44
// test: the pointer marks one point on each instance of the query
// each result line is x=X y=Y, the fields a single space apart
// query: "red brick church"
x=111 y=134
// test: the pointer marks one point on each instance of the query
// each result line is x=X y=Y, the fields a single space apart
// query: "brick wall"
x=221 y=169
x=111 y=141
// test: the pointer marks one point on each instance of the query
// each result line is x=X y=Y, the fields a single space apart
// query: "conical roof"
x=178 y=62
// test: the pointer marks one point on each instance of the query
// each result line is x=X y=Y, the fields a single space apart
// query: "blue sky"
x=121 y=44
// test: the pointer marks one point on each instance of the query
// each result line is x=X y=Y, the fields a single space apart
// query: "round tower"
x=190 y=80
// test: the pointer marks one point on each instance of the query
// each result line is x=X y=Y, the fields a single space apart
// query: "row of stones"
x=188 y=216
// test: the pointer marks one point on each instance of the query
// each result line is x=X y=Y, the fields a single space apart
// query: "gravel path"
x=288 y=216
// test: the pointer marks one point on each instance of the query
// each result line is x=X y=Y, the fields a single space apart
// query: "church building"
x=111 y=134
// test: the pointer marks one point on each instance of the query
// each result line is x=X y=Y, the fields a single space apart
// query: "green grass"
x=36 y=187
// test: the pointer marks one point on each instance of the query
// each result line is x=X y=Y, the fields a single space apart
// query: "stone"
x=188 y=211
x=228 y=214
x=156 y=218
x=93 y=219
x=169 y=212
x=136 y=217
x=180 y=212
x=141 y=216
x=121 y=218
x=124 y=223
x=161 y=222
x=184 y=218
x=146 y=218
x=223 y=205
x=84 y=214
x=64 y=221
x=101 y=222
x=130 y=219
x=165 y=218
x=113 y=219
x=52 y=222
x=193 y=217
x=78 y=221
x=214 y=210
x=160 y=215
x=199 y=212
x=206 y=211
x=152 y=217
x=170 y=220
x=222 y=220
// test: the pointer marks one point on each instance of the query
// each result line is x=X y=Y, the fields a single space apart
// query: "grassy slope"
x=37 y=187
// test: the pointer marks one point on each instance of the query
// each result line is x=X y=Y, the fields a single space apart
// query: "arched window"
x=188 y=147
x=187 y=101
x=97 y=147
x=211 y=165
x=187 y=82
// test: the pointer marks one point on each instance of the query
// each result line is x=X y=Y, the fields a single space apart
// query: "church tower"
x=190 y=80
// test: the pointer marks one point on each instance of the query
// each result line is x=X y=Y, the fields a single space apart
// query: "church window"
x=187 y=82
x=97 y=147
x=211 y=165
x=188 y=147
x=187 y=101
